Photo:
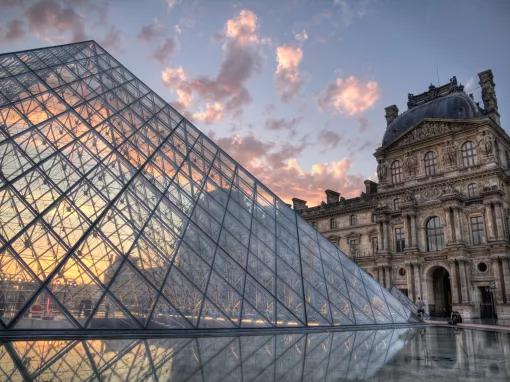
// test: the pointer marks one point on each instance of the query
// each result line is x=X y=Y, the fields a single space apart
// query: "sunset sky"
x=294 y=90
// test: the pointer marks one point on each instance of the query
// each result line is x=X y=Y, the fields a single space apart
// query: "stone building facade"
x=436 y=225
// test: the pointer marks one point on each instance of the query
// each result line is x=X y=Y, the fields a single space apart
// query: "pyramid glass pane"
x=118 y=213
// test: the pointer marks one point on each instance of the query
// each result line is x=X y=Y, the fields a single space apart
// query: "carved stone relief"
x=426 y=130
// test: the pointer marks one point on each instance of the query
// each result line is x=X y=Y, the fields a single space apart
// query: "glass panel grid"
x=117 y=213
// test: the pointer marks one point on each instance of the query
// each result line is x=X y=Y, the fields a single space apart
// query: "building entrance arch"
x=439 y=292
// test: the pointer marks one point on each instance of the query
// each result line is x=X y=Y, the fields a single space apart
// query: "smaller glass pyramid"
x=117 y=213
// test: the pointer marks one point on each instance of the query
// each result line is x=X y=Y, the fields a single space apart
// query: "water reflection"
x=445 y=354
x=378 y=355
x=289 y=357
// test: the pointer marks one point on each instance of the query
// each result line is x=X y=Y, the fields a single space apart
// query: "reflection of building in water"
x=446 y=354
x=436 y=224
x=356 y=355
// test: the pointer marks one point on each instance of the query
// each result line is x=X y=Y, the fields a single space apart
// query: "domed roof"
x=456 y=105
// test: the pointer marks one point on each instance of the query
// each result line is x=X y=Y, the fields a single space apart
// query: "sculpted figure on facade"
x=382 y=171
x=410 y=164
x=487 y=144
x=450 y=154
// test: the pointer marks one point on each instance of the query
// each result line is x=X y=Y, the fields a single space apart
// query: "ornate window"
x=332 y=223
x=430 y=161
x=468 y=151
x=396 y=204
x=435 y=235
x=400 y=241
x=354 y=220
x=353 y=247
x=396 y=172
x=477 y=229
x=471 y=190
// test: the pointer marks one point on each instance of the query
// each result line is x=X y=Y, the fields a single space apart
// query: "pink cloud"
x=287 y=178
x=350 y=96
x=14 y=31
x=287 y=75
x=151 y=32
x=176 y=79
x=51 y=20
x=212 y=113
x=241 y=60
x=165 y=50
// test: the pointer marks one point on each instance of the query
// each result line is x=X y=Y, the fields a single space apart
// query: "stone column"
x=388 y=277
x=407 y=228
x=506 y=274
x=386 y=236
x=449 y=226
x=417 y=281
x=380 y=237
x=464 y=287
x=488 y=222
x=410 y=286
x=458 y=225
x=414 y=239
x=453 y=283
x=497 y=278
x=499 y=221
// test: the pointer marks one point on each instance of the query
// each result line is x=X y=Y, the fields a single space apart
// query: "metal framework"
x=330 y=356
x=117 y=213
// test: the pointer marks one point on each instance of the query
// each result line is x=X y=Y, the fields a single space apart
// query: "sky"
x=293 y=90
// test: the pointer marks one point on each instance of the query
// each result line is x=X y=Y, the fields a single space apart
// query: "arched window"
x=468 y=151
x=471 y=189
x=435 y=235
x=396 y=172
x=354 y=220
x=332 y=223
x=430 y=161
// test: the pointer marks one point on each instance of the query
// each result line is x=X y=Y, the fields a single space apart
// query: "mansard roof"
x=448 y=101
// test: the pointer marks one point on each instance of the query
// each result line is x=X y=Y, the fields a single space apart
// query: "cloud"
x=350 y=96
x=241 y=60
x=163 y=52
x=51 y=20
x=212 y=113
x=287 y=75
x=171 y=3
x=287 y=178
x=281 y=124
x=301 y=36
x=176 y=79
x=14 y=31
x=112 y=40
x=329 y=139
x=150 y=32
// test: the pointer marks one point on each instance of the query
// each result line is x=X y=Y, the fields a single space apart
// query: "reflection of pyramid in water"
x=332 y=356
x=116 y=212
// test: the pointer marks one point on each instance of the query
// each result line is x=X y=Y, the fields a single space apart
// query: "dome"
x=456 y=105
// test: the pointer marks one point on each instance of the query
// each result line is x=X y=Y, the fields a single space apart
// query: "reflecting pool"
x=430 y=353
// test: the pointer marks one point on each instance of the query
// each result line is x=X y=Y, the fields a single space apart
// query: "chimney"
x=332 y=196
x=299 y=204
x=490 y=102
x=391 y=113
x=370 y=187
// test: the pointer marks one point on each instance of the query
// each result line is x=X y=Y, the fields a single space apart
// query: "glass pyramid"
x=117 y=213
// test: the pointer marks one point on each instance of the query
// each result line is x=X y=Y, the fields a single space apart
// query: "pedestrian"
x=421 y=308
